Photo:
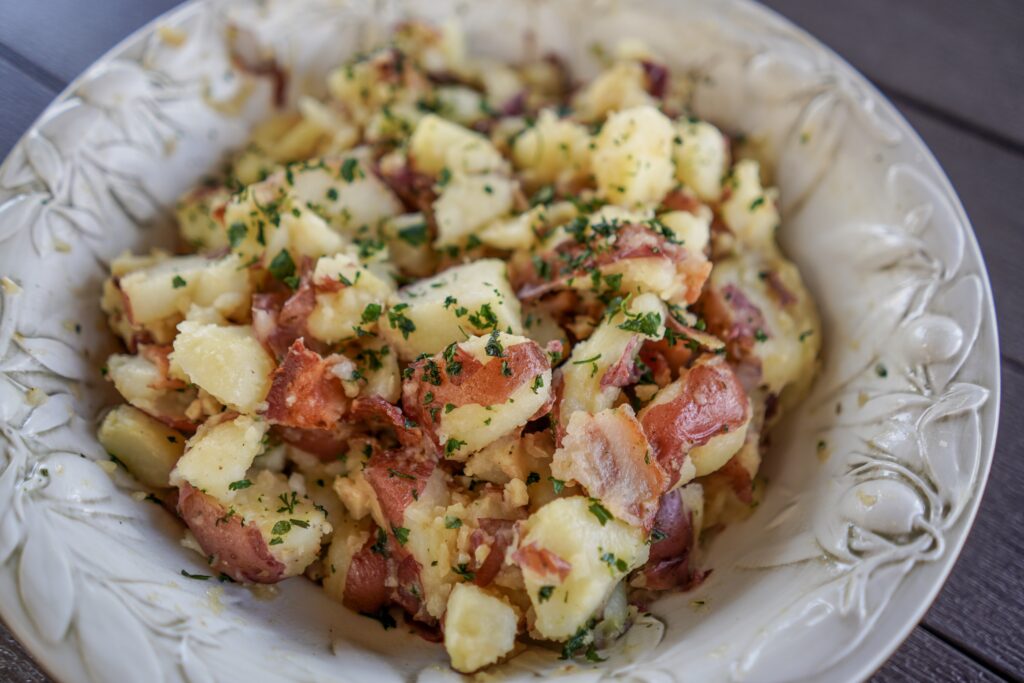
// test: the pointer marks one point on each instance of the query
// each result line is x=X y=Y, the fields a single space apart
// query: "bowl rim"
x=907 y=621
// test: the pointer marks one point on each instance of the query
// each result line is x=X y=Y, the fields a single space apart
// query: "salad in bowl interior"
x=474 y=345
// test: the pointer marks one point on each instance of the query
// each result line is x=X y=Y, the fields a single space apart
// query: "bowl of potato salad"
x=603 y=340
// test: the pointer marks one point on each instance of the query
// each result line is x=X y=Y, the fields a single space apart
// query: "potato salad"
x=474 y=345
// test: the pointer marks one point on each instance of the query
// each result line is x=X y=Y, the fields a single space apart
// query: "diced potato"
x=633 y=159
x=621 y=87
x=450 y=307
x=693 y=230
x=219 y=455
x=408 y=240
x=228 y=362
x=196 y=221
x=147 y=447
x=479 y=628
x=520 y=231
x=167 y=289
x=750 y=210
x=468 y=203
x=432 y=543
x=701 y=155
x=590 y=359
x=378 y=364
x=337 y=314
x=460 y=104
x=309 y=235
x=344 y=191
x=552 y=151
x=600 y=555
x=717 y=451
x=474 y=425
x=437 y=144
x=139 y=381
x=792 y=336
x=508 y=458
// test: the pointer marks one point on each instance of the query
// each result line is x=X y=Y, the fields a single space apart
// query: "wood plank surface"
x=955 y=69
x=962 y=59
x=923 y=657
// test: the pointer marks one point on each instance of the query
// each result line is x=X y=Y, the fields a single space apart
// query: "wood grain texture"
x=982 y=604
x=63 y=37
x=23 y=99
x=965 y=59
x=923 y=657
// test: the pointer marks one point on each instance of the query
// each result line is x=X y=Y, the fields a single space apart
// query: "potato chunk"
x=220 y=454
x=633 y=159
x=147 y=447
x=750 y=211
x=701 y=155
x=228 y=362
x=479 y=628
x=437 y=144
x=451 y=306
x=552 y=151
x=349 y=296
x=572 y=555
x=468 y=203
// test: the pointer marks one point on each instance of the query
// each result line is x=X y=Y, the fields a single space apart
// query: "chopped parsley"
x=760 y=335
x=494 y=347
x=239 y=485
x=881 y=371
x=348 y=169
x=401 y=534
x=593 y=368
x=393 y=473
x=532 y=478
x=283 y=267
x=288 y=502
x=599 y=511
x=452 y=522
x=281 y=528
x=557 y=484
x=371 y=313
x=462 y=570
x=197 y=577
x=614 y=562
x=178 y=282
x=452 y=445
x=415 y=235
x=538 y=382
x=544 y=594
x=237 y=233
x=646 y=324
x=398 y=320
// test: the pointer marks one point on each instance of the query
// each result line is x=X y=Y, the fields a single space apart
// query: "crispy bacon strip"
x=706 y=400
x=398 y=478
x=670 y=562
x=608 y=454
x=733 y=317
x=497 y=535
x=239 y=551
x=304 y=393
x=541 y=561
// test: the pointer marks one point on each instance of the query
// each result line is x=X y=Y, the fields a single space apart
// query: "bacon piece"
x=656 y=76
x=576 y=260
x=661 y=358
x=366 y=587
x=608 y=454
x=706 y=400
x=398 y=478
x=669 y=564
x=541 y=561
x=460 y=379
x=326 y=444
x=375 y=412
x=414 y=189
x=777 y=287
x=239 y=551
x=304 y=393
x=680 y=200
x=733 y=317
x=496 y=534
x=624 y=371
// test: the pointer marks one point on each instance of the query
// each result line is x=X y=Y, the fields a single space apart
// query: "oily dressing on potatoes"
x=468 y=341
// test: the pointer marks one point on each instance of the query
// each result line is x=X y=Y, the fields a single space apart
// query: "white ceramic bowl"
x=852 y=541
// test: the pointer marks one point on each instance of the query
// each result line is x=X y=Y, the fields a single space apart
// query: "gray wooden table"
x=955 y=68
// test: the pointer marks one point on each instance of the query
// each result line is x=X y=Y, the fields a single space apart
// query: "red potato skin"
x=731 y=316
x=376 y=413
x=712 y=401
x=670 y=562
x=325 y=444
x=481 y=383
x=303 y=392
x=378 y=577
x=398 y=477
x=239 y=551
